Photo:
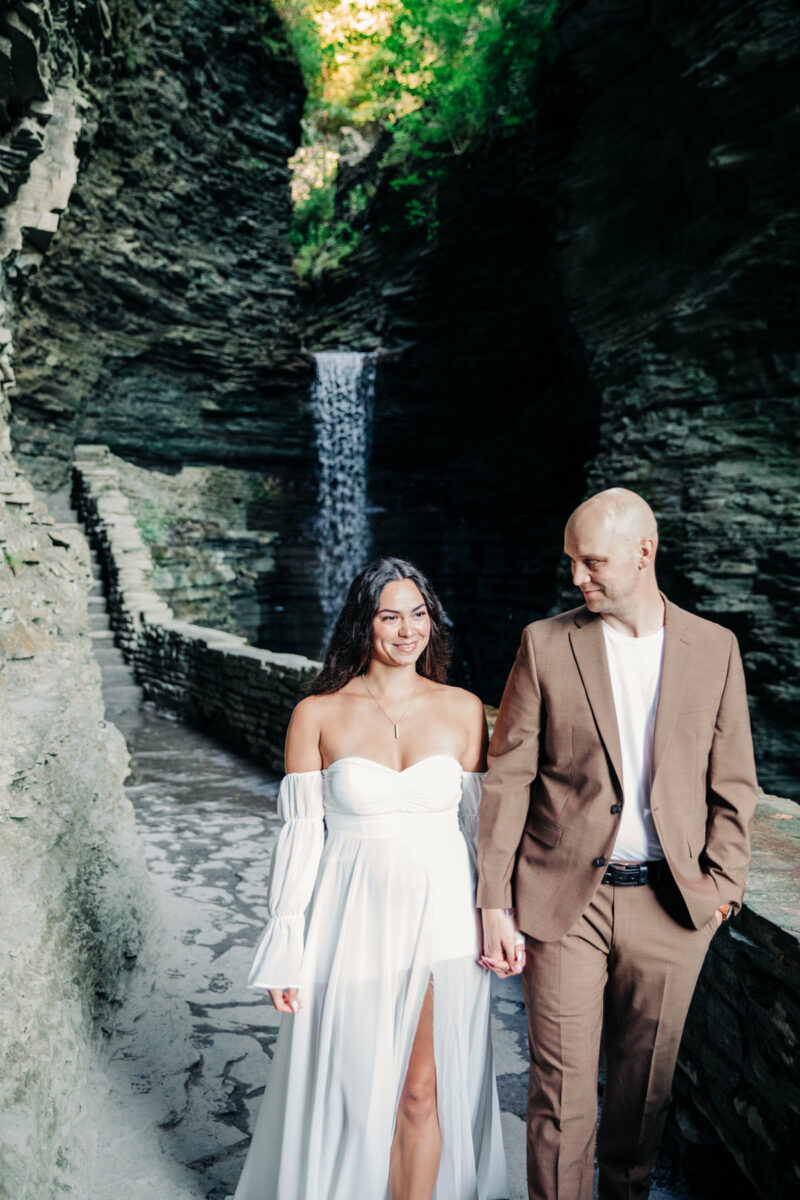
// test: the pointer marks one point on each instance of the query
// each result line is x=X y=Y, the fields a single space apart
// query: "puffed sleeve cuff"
x=295 y=862
x=279 y=954
x=469 y=808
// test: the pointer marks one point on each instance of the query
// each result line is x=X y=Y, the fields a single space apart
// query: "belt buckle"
x=629 y=876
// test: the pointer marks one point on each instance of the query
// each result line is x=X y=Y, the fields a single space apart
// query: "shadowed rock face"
x=607 y=302
x=163 y=320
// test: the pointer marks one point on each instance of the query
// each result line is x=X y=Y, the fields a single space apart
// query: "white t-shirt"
x=634 y=665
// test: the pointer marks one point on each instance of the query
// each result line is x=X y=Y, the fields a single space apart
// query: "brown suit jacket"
x=554 y=772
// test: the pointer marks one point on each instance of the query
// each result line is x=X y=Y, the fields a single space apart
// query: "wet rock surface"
x=210 y=531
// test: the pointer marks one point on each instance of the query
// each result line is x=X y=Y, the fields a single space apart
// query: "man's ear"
x=647 y=552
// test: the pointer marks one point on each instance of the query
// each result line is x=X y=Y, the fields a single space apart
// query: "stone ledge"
x=213 y=679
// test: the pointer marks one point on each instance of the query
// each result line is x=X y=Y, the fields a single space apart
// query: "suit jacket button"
x=599 y=862
x=616 y=808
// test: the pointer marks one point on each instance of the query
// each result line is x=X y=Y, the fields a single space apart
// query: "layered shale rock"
x=605 y=301
x=162 y=320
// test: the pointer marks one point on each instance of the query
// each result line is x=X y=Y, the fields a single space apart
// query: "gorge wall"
x=99 y=323
x=163 y=318
x=605 y=300
x=76 y=897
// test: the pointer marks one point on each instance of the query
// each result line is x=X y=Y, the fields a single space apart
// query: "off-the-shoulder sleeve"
x=295 y=862
x=469 y=808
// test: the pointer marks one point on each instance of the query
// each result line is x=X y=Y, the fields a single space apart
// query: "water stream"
x=342 y=407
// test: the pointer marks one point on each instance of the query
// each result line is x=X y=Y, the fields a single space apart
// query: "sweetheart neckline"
x=374 y=763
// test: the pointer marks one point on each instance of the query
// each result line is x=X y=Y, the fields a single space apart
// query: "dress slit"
x=429 y=991
x=403 y=1076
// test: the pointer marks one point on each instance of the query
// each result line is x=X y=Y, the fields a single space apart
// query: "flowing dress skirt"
x=392 y=909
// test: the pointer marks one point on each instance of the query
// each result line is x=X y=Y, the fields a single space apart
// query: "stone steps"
x=115 y=674
x=109 y=656
x=121 y=694
x=121 y=698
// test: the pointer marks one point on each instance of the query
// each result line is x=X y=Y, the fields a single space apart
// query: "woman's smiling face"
x=401 y=628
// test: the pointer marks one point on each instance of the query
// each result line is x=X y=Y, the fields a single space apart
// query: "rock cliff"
x=76 y=897
x=163 y=318
x=605 y=300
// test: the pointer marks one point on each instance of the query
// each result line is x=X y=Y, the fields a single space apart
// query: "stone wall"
x=214 y=679
x=739 y=1065
x=221 y=557
x=74 y=891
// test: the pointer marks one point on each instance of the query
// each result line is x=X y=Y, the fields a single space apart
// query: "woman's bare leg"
x=417 y=1144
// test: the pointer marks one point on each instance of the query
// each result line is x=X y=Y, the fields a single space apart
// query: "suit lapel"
x=673 y=677
x=588 y=647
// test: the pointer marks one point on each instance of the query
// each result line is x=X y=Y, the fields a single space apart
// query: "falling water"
x=342 y=407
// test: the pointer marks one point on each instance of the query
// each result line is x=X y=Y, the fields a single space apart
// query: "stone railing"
x=739 y=1066
x=215 y=680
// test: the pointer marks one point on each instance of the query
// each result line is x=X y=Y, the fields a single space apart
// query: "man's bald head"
x=616 y=511
x=611 y=541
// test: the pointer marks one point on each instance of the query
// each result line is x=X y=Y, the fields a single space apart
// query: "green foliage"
x=10 y=560
x=304 y=39
x=320 y=242
x=421 y=197
x=153 y=523
x=444 y=76
x=475 y=65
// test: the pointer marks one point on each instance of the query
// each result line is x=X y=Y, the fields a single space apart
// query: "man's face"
x=605 y=564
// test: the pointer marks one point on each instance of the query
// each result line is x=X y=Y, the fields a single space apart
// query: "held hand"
x=285 y=999
x=501 y=953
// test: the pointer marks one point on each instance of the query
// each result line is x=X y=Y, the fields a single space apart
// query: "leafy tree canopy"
x=442 y=76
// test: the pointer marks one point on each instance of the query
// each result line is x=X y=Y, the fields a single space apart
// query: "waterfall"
x=342 y=407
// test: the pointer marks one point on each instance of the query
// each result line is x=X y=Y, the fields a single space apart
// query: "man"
x=615 y=820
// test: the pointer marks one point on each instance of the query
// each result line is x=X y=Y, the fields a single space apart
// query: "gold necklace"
x=396 y=723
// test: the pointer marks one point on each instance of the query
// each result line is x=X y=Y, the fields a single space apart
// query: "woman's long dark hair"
x=350 y=648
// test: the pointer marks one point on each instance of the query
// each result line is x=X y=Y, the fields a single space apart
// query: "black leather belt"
x=634 y=874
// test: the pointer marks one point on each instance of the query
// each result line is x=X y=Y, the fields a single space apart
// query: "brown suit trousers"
x=549 y=817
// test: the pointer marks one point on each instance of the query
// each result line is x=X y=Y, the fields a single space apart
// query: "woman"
x=382 y=1082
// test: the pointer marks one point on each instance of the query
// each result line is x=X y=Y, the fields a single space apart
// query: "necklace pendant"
x=397 y=731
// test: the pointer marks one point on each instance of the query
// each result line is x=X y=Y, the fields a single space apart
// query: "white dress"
x=387 y=860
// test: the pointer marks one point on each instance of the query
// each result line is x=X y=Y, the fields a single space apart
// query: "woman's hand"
x=285 y=999
x=501 y=951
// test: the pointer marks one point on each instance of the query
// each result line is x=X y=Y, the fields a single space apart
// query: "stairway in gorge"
x=121 y=694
